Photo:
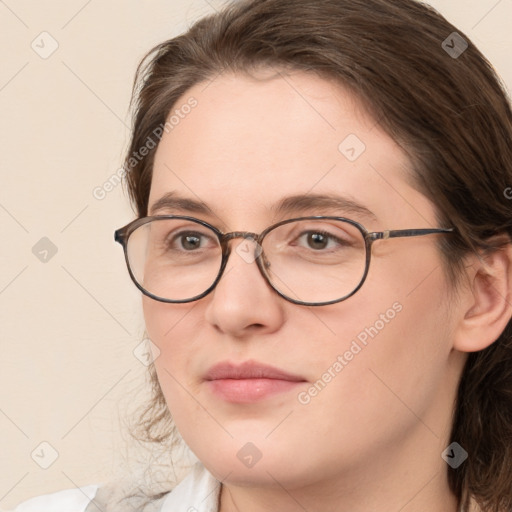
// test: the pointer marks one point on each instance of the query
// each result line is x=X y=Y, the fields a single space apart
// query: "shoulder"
x=68 y=500
x=198 y=491
x=191 y=491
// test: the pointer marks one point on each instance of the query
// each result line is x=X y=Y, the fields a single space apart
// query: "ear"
x=486 y=300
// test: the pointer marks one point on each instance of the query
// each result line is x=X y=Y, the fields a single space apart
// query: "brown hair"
x=450 y=114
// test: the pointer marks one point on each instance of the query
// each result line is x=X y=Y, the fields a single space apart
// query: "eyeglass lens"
x=317 y=260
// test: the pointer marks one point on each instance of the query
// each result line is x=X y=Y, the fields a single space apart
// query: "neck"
x=409 y=477
x=432 y=496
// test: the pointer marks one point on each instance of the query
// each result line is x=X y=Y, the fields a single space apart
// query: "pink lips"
x=249 y=382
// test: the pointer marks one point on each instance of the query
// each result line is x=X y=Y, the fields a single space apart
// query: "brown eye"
x=320 y=240
x=317 y=241
x=189 y=241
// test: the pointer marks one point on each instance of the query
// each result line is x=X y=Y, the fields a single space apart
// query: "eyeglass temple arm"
x=397 y=233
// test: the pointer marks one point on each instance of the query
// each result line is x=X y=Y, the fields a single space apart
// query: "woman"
x=323 y=244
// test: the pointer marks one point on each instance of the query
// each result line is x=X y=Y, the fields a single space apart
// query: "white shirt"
x=198 y=492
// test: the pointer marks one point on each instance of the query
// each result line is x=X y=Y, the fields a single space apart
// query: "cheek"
x=163 y=321
x=169 y=327
x=395 y=342
x=408 y=358
x=155 y=318
x=178 y=332
x=164 y=325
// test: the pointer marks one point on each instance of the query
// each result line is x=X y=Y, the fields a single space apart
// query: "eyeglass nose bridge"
x=226 y=237
x=246 y=235
x=247 y=255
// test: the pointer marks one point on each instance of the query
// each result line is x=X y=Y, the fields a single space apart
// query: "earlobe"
x=487 y=300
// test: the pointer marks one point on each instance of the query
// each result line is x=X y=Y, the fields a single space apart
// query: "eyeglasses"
x=312 y=261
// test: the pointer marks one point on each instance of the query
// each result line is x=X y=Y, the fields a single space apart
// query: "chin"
x=253 y=463
x=264 y=473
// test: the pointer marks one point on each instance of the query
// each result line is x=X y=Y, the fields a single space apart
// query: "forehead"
x=248 y=142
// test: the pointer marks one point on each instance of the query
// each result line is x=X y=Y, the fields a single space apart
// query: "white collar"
x=198 y=492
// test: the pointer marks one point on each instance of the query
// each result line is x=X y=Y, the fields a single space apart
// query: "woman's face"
x=373 y=377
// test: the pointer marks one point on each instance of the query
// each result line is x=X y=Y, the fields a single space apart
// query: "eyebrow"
x=305 y=203
x=296 y=204
x=172 y=201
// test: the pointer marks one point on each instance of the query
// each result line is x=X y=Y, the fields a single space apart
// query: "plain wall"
x=69 y=325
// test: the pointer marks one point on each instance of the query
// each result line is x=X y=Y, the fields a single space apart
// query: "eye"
x=189 y=241
x=320 y=240
x=317 y=240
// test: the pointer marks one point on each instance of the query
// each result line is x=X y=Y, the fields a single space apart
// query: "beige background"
x=69 y=326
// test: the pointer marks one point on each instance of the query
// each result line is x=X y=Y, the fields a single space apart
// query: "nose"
x=243 y=303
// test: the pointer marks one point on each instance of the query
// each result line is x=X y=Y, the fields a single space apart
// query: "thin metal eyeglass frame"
x=122 y=236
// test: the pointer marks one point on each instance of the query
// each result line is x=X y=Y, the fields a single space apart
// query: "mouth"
x=249 y=382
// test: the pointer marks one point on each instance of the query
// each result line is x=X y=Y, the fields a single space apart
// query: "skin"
x=372 y=438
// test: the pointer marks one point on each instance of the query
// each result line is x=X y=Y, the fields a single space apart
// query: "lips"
x=249 y=382
x=249 y=370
